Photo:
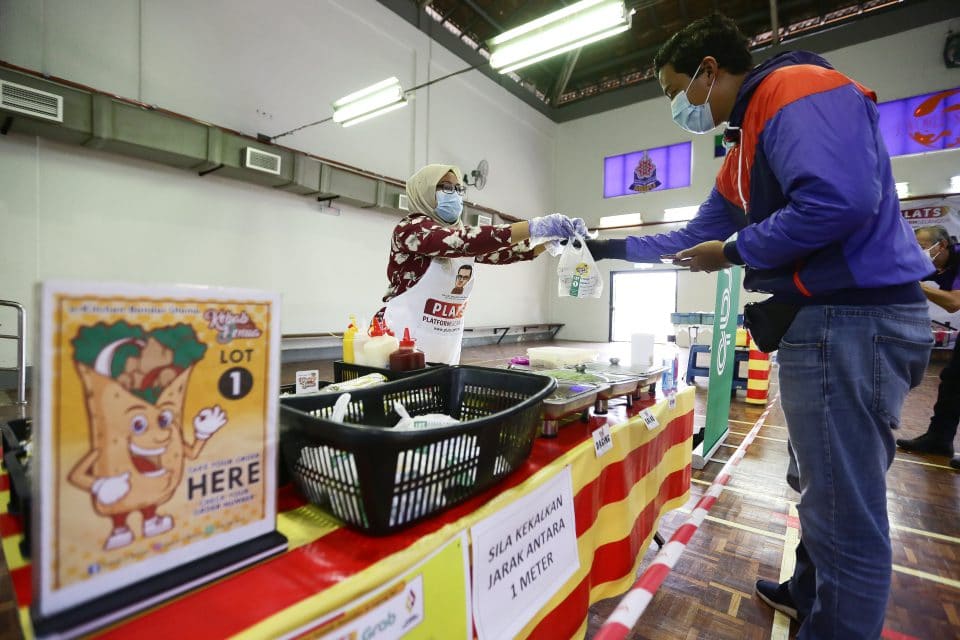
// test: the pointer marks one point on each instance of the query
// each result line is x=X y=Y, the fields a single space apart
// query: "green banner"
x=722 y=357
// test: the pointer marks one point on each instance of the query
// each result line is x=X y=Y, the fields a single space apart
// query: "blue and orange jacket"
x=809 y=190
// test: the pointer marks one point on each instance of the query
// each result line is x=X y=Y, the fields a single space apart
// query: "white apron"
x=433 y=309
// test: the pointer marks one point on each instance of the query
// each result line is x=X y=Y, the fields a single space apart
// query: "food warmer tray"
x=568 y=399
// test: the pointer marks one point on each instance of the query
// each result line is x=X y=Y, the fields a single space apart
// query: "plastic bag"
x=426 y=421
x=579 y=276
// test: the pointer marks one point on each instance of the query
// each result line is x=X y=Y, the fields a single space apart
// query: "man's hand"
x=706 y=256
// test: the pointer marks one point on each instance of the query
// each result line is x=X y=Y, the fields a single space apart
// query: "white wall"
x=266 y=67
x=255 y=66
x=897 y=66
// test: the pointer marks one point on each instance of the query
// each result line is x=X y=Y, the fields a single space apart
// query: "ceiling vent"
x=261 y=161
x=403 y=202
x=30 y=101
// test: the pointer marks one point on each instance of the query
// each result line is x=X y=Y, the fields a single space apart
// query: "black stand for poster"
x=118 y=604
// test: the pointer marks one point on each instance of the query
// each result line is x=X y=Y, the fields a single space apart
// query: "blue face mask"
x=695 y=118
x=449 y=206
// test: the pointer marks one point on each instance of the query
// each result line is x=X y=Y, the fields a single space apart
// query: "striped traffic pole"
x=758 y=375
x=635 y=602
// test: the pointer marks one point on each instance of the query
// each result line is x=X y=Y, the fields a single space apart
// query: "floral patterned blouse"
x=417 y=239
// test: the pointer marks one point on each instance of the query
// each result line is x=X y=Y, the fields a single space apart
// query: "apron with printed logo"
x=433 y=309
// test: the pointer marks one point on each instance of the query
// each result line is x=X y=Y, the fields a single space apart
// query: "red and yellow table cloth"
x=618 y=501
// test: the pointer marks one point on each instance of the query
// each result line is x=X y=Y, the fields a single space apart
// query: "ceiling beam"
x=873 y=25
x=774 y=23
x=652 y=10
x=648 y=51
x=870 y=27
x=564 y=76
x=614 y=62
x=483 y=14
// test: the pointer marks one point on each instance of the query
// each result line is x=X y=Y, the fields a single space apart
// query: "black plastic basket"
x=343 y=371
x=380 y=480
x=16 y=435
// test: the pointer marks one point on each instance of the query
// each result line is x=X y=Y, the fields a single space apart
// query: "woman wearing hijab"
x=432 y=254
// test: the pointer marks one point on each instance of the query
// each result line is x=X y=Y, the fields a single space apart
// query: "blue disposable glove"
x=580 y=227
x=555 y=225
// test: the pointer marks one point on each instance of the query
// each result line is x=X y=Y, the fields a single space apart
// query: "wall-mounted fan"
x=478 y=177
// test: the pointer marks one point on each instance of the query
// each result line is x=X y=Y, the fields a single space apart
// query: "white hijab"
x=422 y=190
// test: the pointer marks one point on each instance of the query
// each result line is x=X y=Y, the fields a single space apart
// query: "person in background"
x=945 y=293
x=808 y=189
x=432 y=253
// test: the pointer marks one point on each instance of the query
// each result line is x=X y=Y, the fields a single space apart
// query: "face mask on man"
x=695 y=118
x=933 y=252
x=449 y=206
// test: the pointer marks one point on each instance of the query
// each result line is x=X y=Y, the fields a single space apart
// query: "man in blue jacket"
x=808 y=189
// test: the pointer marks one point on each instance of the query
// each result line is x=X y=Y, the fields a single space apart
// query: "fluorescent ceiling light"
x=569 y=28
x=374 y=114
x=368 y=103
x=955 y=184
x=624 y=220
x=680 y=214
x=903 y=189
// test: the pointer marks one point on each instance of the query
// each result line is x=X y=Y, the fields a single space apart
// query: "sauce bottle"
x=377 y=350
x=348 y=337
x=407 y=357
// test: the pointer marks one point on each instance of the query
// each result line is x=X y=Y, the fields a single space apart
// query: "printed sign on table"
x=438 y=585
x=156 y=439
x=521 y=555
x=602 y=440
x=649 y=419
x=308 y=381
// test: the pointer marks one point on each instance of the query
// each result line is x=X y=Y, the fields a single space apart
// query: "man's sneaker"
x=778 y=596
x=926 y=443
x=955 y=462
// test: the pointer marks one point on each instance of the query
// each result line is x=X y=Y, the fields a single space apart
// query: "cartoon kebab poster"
x=157 y=436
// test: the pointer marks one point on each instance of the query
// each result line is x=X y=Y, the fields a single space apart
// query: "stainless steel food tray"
x=619 y=385
x=555 y=409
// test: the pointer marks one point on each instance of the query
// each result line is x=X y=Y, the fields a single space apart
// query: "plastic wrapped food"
x=426 y=421
x=363 y=382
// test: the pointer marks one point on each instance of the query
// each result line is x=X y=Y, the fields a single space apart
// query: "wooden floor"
x=751 y=531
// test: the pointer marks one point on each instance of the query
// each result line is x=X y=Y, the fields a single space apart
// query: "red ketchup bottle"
x=407 y=357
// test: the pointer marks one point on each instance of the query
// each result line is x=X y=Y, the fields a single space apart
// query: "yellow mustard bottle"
x=348 y=340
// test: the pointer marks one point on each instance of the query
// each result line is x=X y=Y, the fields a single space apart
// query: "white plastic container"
x=377 y=350
x=641 y=350
x=559 y=357
x=360 y=340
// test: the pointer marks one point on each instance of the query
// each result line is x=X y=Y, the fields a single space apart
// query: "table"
x=618 y=501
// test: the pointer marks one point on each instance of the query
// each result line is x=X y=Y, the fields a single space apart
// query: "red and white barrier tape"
x=635 y=602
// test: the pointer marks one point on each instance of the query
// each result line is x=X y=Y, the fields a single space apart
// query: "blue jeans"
x=844 y=374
